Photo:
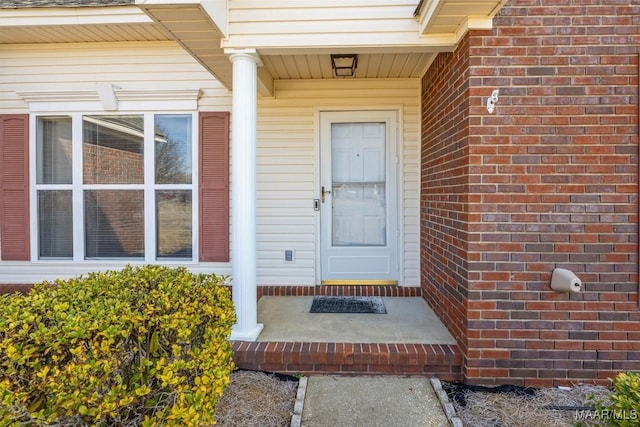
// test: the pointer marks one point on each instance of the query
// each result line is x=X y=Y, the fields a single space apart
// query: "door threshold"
x=359 y=282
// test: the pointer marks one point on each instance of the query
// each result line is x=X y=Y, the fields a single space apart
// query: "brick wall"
x=445 y=189
x=550 y=180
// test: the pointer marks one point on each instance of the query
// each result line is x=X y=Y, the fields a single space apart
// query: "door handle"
x=323 y=193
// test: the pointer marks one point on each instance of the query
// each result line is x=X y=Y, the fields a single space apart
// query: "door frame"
x=395 y=194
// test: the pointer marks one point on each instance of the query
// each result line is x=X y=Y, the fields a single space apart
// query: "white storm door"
x=358 y=205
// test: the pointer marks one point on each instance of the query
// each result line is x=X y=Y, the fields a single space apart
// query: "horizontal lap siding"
x=131 y=66
x=287 y=170
x=276 y=23
x=411 y=198
x=285 y=190
x=287 y=135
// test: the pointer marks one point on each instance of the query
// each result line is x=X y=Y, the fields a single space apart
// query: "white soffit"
x=72 y=16
x=370 y=65
x=216 y=11
x=456 y=16
x=195 y=25
x=77 y=25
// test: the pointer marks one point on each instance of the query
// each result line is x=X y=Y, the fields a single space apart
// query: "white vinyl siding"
x=287 y=169
x=71 y=66
x=287 y=146
x=410 y=202
x=298 y=23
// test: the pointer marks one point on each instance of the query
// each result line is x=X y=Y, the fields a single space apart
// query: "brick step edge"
x=313 y=358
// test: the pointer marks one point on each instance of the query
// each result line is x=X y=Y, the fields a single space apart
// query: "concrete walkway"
x=339 y=401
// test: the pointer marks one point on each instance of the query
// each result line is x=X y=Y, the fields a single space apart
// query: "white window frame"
x=78 y=187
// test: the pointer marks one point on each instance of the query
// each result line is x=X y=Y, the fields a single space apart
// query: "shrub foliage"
x=142 y=346
x=623 y=406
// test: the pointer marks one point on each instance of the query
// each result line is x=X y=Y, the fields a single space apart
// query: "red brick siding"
x=322 y=358
x=552 y=182
x=445 y=189
x=348 y=290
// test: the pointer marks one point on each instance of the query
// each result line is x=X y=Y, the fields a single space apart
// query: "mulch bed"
x=513 y=406
x=255 y=399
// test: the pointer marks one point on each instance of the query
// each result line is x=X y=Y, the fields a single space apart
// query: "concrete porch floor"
x=408 y=320
x=408 y=340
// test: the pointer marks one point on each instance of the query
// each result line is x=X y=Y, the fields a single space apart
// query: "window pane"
x=173 y=148
x=174 y=224
x=114 y=223
x=55 y=224
x=113 y=149
x=358 y=162
x=53 y=152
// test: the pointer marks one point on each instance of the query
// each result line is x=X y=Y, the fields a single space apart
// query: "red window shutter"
x=14 y=187
x=214 y=187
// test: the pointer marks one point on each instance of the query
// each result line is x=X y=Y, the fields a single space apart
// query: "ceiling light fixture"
x=344 y=65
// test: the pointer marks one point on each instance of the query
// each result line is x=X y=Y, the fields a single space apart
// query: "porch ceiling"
x=200 y=27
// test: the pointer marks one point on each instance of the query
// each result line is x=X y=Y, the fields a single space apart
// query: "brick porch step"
x=440 y=360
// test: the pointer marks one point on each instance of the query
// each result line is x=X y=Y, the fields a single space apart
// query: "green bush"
x=143 y=346
x=623 y=409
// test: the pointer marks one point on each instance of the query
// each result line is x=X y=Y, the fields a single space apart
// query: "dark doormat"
x=332 y=304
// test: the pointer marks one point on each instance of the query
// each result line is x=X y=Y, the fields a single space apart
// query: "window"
x=115 y=186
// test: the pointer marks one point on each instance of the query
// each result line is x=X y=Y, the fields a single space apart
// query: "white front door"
x=358 y=205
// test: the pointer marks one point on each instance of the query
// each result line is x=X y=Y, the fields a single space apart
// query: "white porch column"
x=243 y=192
